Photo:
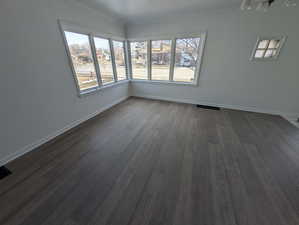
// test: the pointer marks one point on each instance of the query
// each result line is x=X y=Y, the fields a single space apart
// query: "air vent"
x=4 y=172
x=207 y=107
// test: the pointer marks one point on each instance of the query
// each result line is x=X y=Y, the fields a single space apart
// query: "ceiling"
x=133 y=9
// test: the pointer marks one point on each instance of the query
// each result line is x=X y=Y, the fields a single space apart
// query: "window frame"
x=125 y=56
x=171 y=58
x=198 y=63
x=69 y=27
x=269 y=38
x=173 y=38
x=112 y=58
x=147 y=58
x=66 y=27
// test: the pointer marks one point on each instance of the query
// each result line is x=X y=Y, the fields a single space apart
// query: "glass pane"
x=81 y=55
x=259 y=54
x=104 y=58
x=139 y=59
x=161 y=53
x=120 y=63
x=186 y=55
x=274 y=43
x=269 y=54
x=263 y=44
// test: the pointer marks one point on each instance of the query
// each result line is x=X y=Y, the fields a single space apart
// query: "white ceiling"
x=132 y=9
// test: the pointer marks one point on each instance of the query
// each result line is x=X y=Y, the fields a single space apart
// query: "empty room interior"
x=149 y=112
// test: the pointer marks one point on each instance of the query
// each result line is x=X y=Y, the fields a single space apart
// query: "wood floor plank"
x=149 y=162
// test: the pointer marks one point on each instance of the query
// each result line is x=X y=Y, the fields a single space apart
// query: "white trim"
x=203 y=38
x=70 y=61
x=166 y=82
x=225 y=106
x=55 y=134
x=292 y=119
x=111 y=55
x=95 y=59
x=172 y=59
x=149 y=59
x=113 y=60
x=128 y=58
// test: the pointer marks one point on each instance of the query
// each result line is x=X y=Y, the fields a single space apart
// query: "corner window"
x=104 y=58
x=120 y=62
x=82 y=60
x=139 y=59
x=186 y=59
x=160 y=59
x=267 y=48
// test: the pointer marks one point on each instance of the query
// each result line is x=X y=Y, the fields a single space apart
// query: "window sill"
x=96 y=89
x=264 y=59
x=175 y=83
x=109 y=85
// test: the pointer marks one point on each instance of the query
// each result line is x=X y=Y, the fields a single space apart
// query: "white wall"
x=37 y=91
x=228 y=78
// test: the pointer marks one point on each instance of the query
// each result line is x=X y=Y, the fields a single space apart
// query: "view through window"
x=186 y=55
x=169 y=60
x=82 y=60
x=119 y=54
x=161 y=54
x=104 y=59
x=139 y=59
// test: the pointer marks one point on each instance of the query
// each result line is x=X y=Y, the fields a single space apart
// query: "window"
x=82 y=60
x=173 y=60
x=267 y=48
x=160 y=59
x=120 y=63
x=104 y=58
x=139 y=59
x=186 y=59
x=97 y=61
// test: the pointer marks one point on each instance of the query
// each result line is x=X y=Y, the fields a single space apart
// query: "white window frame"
x=68 y=27
x=112 y=58
x=171 y=58
x=201 y=35
x=148 y=67
x=261 y=38
x=125 y=55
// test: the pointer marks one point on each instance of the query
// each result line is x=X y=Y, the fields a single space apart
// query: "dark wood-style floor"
x=149 y=162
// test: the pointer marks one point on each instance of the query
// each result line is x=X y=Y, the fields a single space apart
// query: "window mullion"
x=199 y=58
x=172 y=59
x=129 y=59
x=266 y=48
x=113 y=60
x=149 y=59
x=126 y=60
x=95 y=59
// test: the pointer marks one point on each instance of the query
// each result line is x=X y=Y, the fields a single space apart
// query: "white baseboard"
x=44 y=140
x=289 y=116
x=235 y=107
x=292 y=120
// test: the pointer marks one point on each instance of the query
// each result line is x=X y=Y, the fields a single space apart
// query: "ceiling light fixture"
x=264 y=5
